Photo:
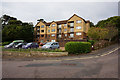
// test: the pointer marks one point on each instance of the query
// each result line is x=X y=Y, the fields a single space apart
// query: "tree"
x=15 y=30
x=97 y=33
x=111 y=33
x=110 y=22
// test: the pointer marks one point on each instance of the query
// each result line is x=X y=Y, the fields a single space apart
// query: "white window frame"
x=53 y=35
x=71 y=35
x=65 y=34
x=71 y=29
x=59 y=26
x=65 y=24
x=79 y=21
x=52 y=40
x=78 y=33
x=59 y=36
x=78 y=27
x=53 y=25
x=71 y=24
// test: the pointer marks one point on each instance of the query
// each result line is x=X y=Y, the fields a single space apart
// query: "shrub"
x=5 y=43
x=91 y=41
x=78 y=47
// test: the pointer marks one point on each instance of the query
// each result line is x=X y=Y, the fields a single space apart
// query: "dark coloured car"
x=20 y=45
x=30 y=45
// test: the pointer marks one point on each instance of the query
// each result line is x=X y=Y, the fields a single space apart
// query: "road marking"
x=83 y=57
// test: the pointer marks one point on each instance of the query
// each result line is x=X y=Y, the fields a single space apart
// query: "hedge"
x=91 y=41
x=5 y=43
x=78 y=47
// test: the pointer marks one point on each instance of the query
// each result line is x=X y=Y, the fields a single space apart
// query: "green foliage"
x=78 y=47
x=113 y=31
x=97 y=33
x=16 y=30
x=5 y=43
x=91 y=41
x=110 y=22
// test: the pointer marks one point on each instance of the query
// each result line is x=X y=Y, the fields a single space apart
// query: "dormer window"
x=53 y=25
x=78 y=21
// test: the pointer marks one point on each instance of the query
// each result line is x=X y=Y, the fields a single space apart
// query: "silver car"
x=51 y=45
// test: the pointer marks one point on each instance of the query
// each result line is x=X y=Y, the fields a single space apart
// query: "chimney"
x=42 y=20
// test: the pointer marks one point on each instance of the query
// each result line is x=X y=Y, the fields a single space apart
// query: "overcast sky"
x=49 y=11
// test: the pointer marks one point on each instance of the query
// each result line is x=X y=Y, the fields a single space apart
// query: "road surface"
x=100 y=66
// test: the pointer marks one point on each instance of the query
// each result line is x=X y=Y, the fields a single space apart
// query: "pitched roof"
x=77 y=16
x=63 y=21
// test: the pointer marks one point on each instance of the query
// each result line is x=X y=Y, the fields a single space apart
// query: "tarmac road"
x=100 y=66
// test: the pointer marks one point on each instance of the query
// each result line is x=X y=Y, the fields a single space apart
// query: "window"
x=71 y=29
x=59 y=36
x=59 y=31
x=53 y=30
x=65 y=24
x=65 y=30
x=48 y=31
x=65 y=34
x=78 y=33
x=71 y=24
x=52 y=40
x=71 y=35
x=42 y=26
x=53 y=35
x=59 y=26
x=42 y=30
x=78 y=27
x=53 y=25
x=48 y=35
x=78 y=21
x=42 y=35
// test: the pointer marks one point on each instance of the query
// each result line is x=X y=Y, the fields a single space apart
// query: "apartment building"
x=75 y=28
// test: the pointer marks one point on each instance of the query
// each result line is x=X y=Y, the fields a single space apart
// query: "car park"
x=51 y=45
x=30 y=45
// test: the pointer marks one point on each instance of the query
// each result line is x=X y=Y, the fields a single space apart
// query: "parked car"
x=12 y=45
x=51 y=45
x=19 y=45
x=30 y=45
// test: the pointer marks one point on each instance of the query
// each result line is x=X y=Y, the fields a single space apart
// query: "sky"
x=55 y=11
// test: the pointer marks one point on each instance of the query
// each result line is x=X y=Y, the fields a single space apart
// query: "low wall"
x=33 y=54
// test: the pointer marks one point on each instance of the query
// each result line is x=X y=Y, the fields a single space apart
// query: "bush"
x=5 y=43
x=78 y=47
x=91 y=41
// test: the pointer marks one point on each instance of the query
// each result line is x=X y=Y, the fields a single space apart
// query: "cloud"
x=31 y=11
